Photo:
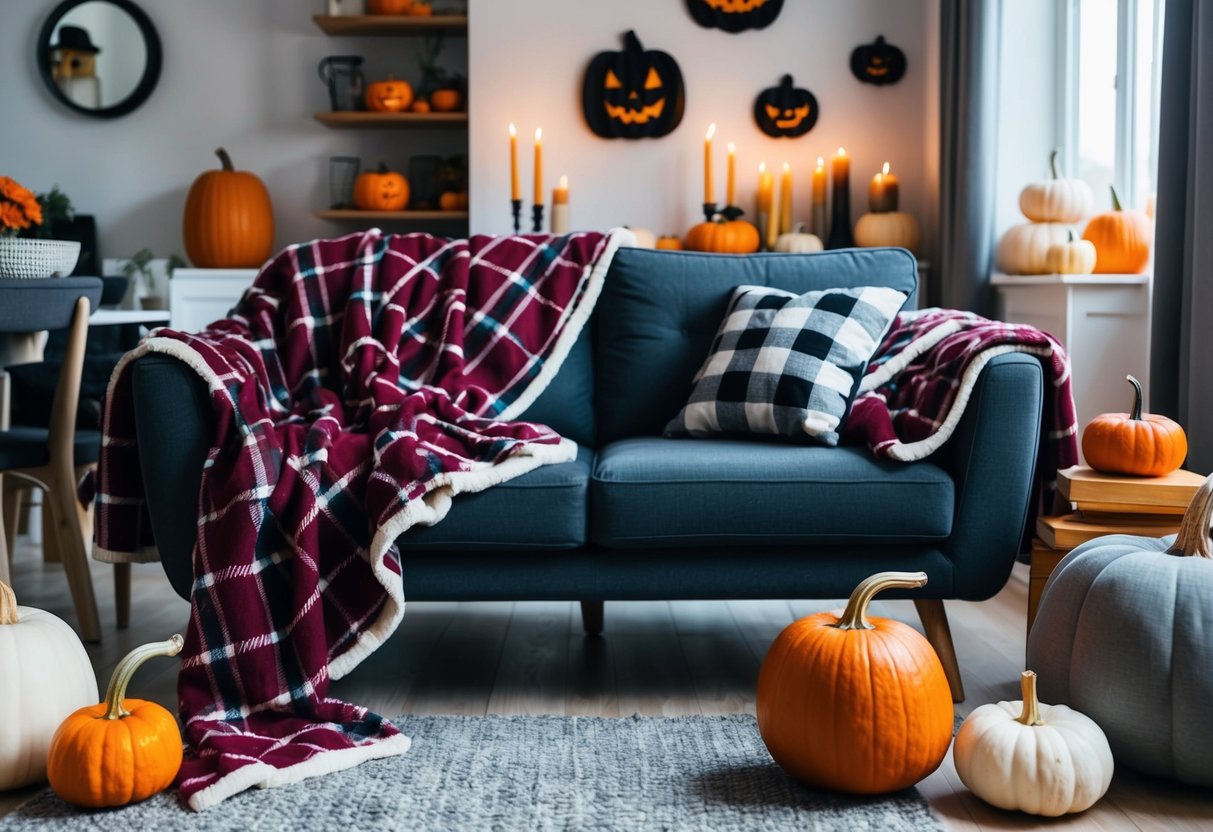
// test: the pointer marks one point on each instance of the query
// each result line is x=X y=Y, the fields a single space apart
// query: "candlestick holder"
x=516 y=209
x=537 y=219
x=710 y=210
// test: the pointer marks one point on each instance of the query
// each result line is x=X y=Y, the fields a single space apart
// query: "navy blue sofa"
x=636 y=516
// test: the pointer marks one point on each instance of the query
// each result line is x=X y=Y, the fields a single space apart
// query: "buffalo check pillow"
x=787 y=364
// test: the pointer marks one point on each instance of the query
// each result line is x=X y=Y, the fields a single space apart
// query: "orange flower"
x=11 y=189
x=18 y=207
x=12 y=217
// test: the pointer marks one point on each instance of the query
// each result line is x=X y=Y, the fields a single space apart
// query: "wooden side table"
x=1044 y=561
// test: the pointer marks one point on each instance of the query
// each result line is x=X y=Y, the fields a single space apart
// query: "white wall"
x=531 y=80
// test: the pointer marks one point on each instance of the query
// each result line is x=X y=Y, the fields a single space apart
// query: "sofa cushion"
x=567 y=405
x=673 y=493
x=542 y=509
x=660 y=310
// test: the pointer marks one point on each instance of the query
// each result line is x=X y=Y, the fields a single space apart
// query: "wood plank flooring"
x=655 y=658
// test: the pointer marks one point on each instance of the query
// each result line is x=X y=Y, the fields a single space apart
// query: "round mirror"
x=99 y=57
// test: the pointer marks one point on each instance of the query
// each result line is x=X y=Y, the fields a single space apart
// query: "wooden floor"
x=655 y=658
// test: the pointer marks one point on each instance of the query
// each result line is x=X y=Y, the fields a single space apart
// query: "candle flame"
x=513 y=129
x=732 y=148
x=842 y=151
x=711 y=131
x=786 y=167
x=538 y=133
x=564 y=182
x=821 y=163
x=885 y=169
x=762 y=167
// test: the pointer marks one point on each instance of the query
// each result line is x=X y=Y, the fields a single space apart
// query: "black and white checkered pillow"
x=787 y=364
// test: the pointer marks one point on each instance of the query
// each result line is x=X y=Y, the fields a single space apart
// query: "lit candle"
x=766 y=185
x=840 y=224
x=770 y=217
x=560 y=207
x=730 y=191
x=538 y=166
x=709 y=193
x=819 y=199
x=560 y=194
x=891 y=187
x=515 y=191
x=785 y=200
x=876 y=200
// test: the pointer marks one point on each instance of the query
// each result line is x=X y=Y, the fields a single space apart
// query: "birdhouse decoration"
x=74 y=66
x=785 y=111
x=879 y=62
x=634 y=93
x=734 y=16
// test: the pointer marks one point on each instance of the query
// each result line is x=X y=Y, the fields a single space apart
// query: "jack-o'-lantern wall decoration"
x=633 y=94
x=878 y=62
x=735 y=15
x=785 y=111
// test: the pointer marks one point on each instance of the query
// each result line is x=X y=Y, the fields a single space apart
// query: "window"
x=1110 y=118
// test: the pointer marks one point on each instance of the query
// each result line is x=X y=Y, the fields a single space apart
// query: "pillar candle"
x=538 y=166
x=785 y=200
x=876 y=199
x=709 y=193
x=840 y=225
x=891 y=188
x=730 y=183
x=819 y=200
x=515 y=191
x=560 y=207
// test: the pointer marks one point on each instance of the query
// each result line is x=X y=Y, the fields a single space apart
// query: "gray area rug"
x=531 y=773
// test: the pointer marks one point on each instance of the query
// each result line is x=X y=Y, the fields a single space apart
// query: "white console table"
x=1102 y=319
x=196 y=297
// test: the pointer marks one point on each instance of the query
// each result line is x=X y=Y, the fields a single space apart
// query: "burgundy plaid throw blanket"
x=919 y=382
x=358 y=386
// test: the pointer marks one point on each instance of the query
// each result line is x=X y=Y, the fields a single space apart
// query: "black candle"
x=840 y=224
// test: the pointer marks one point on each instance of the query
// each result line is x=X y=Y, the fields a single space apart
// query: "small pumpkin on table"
x=381 y=190
x=1122 y=239
x=389 y=96
x=725 y=233
x=1134 y=443
x=668 y=242
x=798 y=241
x=1051 y=205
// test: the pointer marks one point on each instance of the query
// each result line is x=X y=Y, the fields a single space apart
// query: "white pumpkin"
x=644 y=238
x=891 y=228
x=1056 y=199
x=1023 y=248
x=1045 y=760
x=45 y=675
x=798 y=241
x=1071 y=257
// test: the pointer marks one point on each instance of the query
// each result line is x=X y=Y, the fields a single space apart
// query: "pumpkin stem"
x=8 y=605
x=1194 y=535
x=1031 y=705
x=631 y=42
x=1053 y=163
x=1069 y=235
x=1136 y=414
x=857 y=607
x=116 y=692
x=1115 y=199
x=224 y=159
x=382 y=169
x=786 y=82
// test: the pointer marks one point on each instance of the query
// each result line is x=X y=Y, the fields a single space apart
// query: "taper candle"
x=785 y=200
x=515 y=191
x=730 y=181
x=538 y=166
x=818 y=216
x=709 y=193
x=766 y=187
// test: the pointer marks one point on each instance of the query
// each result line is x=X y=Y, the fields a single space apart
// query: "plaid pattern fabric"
x=357 y=386
x=920 y=378
x=787 y=364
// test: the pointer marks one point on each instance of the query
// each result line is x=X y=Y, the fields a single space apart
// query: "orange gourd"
x=390 y=96
x=668 y=242
x=855 y=704
x=724 y=233
x=446 y=100
x=381 y=190
x=1122 y=240
x=453 y=201
x=1141 y=445
x=389 y=6
x=421 y=106
x=119 y=751
x=229 y=220
x=420 y=10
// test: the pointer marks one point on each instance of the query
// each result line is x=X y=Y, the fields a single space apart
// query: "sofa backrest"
x=567 y=405
x=659 y=311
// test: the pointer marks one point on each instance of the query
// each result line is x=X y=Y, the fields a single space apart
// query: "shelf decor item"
x=381 y=190
x=884 y=225
x=879 y=62
x=734 y=16
x=798 y=240
x=425 y=182
x=634 y=93
x=725 y=232
x=22 y=257
x=343 y=171
x=1135 y=444
x=1071 y=257
x=840 y=223
x=785 y=111
x=389 y=96
x=1122 y=239
x=1056 y=199
x=342 y=75
x=229 y=219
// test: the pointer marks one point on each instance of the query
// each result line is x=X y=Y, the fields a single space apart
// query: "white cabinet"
x=1103 y=321
x=196 y=297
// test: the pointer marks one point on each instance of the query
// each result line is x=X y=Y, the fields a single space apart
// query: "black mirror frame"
x=151 y=72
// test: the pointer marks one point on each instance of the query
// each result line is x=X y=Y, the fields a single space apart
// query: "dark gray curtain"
x=968 y=153
x=1181 y=356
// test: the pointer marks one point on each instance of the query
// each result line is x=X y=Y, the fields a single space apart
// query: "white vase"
x=25 y=258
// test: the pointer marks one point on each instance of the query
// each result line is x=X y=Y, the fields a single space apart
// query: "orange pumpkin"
x=855 y=704
x=668 y=242
x=446 y=100
x=229 y=220
x=724 y=233
x=1141 y=445
x=420 y=10
x=1122 y=240
x=389 y=6
x=421 y=106
x=381 y=190
x=120 y=751
x=453 y=201
x=390 y=96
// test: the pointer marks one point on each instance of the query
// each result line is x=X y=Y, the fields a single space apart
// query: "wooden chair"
x=55 y=459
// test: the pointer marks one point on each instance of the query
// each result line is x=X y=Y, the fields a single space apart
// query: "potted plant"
x=144 y=264
x=23 y=257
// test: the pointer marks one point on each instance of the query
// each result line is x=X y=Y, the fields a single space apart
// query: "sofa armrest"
x=174 y=427
x=992 y=460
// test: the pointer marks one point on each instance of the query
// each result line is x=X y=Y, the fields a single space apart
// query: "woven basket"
x=32 y=259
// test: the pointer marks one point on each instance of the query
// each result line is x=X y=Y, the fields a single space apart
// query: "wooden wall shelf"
x=379 y=24
x=363 y=118
x=353 y=215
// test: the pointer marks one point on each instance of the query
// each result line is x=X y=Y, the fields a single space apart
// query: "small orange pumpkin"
x=725 y=233
x=453 y=201
x=390 y=96
x=421 y=106
x=381 y=190
x=446 y=100
x=119 y=751
x=389 y=6
x=229 y=220
x=1122 y=240
x=1141 y=445
x=668 y=242
x=855 y=704
x=420 y=10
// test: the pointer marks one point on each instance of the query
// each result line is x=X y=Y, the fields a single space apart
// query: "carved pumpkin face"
x=632 y=94
x=785 y=111
x=382 y=190
x=389 y=96
x=734 y=15
x=878 y=63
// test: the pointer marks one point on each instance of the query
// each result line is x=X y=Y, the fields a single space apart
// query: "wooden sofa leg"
x=592 y=613
x=935 y=624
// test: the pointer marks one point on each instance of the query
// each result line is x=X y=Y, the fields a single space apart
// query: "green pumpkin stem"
x=1115 y=199
x=1136 y=414
x=853 y=617
x=8 y=605
x=1193 y=538
x=225 y=160
x=1053 y=163
x=1031 y=704
x=115 y=694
